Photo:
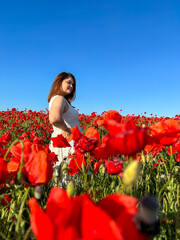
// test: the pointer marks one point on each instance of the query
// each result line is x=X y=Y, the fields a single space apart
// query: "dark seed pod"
x=38 y=192
x=147 y=216
x=150 y=229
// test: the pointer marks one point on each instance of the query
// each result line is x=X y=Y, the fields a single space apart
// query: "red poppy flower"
x=163 y=133
x=38 y=170
x=122 y=209
x=52 y=157
x=167 y=131
x=175 y=148
x=16 y=150
x=155 y=165
x=129 y=142
x=104 y=151
x=114 y=166
x=97 y=166
x=3 y=152
x=113 y=115
x=75 y=163
x=4 y=175
x=124 y=138
x=6 y=200
x=92 y=133
x=178 y=157
x=112 y=126
x=76 y=134
x=85 y=144
x=13 y=166
x=37 y=162
x=37 y=140
x=79 y=218
x=153 y=145
x=5 y=138
x=60 y=141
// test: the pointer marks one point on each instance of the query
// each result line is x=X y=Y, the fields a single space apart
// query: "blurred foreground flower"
x=68 y=218
x=123 y=138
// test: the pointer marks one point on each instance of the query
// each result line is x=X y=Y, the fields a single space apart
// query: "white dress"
x=70 y=118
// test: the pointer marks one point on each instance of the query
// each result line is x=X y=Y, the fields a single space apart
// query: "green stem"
x=165 y=185
x=157 y=179
x=12 y=144
x=171 y=158
x=22 y=155
x=3 y=237
x=27 y=233
x=121 y=185
x=178 y=195
x=89 y=162
x=21 y=210
x=78 y=166
x=164 y=165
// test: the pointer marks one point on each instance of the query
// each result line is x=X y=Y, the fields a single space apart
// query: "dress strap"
x=67 y=102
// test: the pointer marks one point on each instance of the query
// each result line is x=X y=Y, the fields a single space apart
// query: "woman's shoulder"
x=57 y=97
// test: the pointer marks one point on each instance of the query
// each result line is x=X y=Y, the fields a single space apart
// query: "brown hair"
x=56 y=86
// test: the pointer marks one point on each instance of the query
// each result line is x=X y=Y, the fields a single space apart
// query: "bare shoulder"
x=58 y=98
x=59 y=102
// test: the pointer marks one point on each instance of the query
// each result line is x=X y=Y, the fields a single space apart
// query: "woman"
x=61 y=113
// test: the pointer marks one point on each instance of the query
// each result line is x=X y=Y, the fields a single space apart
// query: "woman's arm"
x=55 y=115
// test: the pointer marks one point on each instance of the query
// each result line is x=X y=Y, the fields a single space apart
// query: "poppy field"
x=122 y=182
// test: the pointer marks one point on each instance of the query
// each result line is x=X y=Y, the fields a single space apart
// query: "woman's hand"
x=66 y=133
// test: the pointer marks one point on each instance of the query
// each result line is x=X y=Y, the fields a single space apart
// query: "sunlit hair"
x=56 y=87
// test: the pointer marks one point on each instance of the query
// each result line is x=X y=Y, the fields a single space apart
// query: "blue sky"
x=125 y=54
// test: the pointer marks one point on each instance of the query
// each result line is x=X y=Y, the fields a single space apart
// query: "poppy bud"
x=12 y=209
x=102 y=169
x=118 y=189
x=19 y=178
x=38 y=191
x=71 y=189
x=163 y=178
x=148 y=158
x=113 y=183
x=176 y=170
x=64 y=167
x=130 y=174
x=83 y=166
x=143 y=159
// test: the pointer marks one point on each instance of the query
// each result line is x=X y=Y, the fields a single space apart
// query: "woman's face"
x=67 y=86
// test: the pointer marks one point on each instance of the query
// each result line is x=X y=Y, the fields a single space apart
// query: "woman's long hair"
x=56 y=87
